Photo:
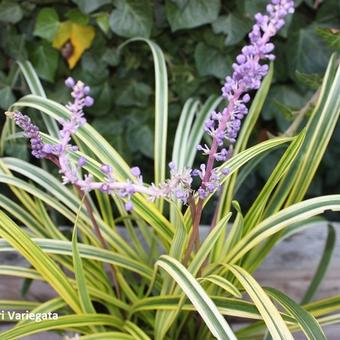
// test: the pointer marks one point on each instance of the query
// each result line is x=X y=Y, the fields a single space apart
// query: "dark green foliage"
x=200 y=40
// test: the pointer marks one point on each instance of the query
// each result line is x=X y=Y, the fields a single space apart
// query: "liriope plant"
x=157 y=279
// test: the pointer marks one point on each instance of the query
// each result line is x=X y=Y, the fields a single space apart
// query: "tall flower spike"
x=248 y=73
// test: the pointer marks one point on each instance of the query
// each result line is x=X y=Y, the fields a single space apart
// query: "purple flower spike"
x=248 y=73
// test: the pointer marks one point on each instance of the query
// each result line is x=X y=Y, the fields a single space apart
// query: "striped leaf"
x=307 y=322
x=198 y=297
x=322 y=266
x=36 y=88
x=271 y=225
x=45 y=265
x=161 y=108
x=271 y=316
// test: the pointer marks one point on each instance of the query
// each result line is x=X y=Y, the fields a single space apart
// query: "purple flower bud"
x=69 y=82
x=128 y=206
x=195 y=172
x=88 y=101
x=202 y=193
x=246 y=98
x=135 y=171
x=106 y=169
x=87 y=90
x=105 y=188
x=172 y=166
x=225 y=171
x=82 y=162
x=48 y=148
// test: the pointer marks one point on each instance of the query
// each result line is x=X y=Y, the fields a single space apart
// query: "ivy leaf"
x=131 y=18
x=282 y=100
x=141 y=139
x=301 y=46
x=10 y=12
x=45 y=61
x=6 y=97
x=88 y=6
x=47 y=24
x=234 y=26
x=79 y=37
x=183 y=14
x=328 y=13
x=211 y=62
x=77 y=17
x=133 y=94
x=102 y=20
x=103 y=102
x=251 y=7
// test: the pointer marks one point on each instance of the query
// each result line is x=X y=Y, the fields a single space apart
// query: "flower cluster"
x=178 y=186
x=248 y=73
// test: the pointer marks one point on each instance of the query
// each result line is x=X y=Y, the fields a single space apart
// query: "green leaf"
x=322 y=266
x=161 y=113
x=217 y=325
x=131 y=18
x=108 y=335
x=271 y=316
x=222 y=283
x=307 y=322
x=331 y=37
x=79 y=273
x=183 y=14
x=234 y=26
x=45 y=60
x=6 y=97
x=88 y=6
x=295 y=213
x=47 y=24
x=88 y=252
x=319 y=130
x=211 y=62
x=10 y=12
x=226 y=306
x=42 y=262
